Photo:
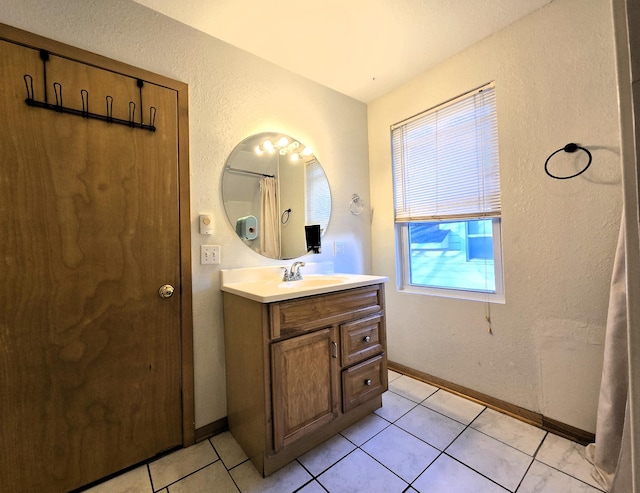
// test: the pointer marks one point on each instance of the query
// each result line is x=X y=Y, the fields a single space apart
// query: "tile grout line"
x=370 y=438
x=304 y=485
x=505 y=443
x=225 y=466
x=597 y=488
x=383 y=465
x=477 y=472
x=441 y=452
x=535 y=454
x=392 y=423
x=150 y=478
x=428 y=466
x=190 y=474
x=473 y=469
x=535 y=458
x=387 y=424
x=467 y=465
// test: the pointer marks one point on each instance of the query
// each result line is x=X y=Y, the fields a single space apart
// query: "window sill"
x=455 y=294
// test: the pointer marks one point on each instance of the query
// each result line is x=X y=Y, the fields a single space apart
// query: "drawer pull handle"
x=368 y=382
x=366 y=338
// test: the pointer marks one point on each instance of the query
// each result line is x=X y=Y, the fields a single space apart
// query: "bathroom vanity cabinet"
x=301 y=370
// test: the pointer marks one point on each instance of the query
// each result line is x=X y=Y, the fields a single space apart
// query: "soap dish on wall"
x=356 y=205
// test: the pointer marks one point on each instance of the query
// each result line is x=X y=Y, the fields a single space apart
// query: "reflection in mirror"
x=272 y=187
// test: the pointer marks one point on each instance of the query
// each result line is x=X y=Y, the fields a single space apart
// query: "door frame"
x=25 y=38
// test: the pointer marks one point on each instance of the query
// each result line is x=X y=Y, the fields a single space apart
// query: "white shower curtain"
x=270 y=233
x=610 y=454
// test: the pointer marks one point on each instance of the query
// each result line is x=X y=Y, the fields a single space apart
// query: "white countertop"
x=264 y=284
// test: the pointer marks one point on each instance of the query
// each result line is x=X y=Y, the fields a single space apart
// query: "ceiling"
x=361 y=48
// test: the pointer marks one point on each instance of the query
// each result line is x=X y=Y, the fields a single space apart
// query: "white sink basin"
x=313 y=281
x=265 y=285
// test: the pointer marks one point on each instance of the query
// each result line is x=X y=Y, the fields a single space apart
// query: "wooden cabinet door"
x=90 y=354
x=304 y=385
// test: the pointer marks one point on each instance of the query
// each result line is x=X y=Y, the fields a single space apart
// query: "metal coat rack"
x=108 y=117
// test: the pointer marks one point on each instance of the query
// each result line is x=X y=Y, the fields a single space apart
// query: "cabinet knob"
x=368 y=382
x=366 y=338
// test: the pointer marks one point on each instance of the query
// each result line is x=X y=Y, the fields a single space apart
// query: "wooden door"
x=90 y=354
x=304 y=379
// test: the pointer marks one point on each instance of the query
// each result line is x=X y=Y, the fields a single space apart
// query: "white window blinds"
x=445 y=161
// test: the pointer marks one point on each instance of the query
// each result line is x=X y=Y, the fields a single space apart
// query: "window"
x=318 y=195
x=447 y=199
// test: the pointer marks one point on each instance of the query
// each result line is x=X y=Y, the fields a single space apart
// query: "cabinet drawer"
x=295 y=317
x=361 y=339
x=364 y=381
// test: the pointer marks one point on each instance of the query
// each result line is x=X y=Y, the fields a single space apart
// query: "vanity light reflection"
x=284 y=147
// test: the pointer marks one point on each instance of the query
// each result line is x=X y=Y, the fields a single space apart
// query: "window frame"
x=403 y=248
x=404 y=285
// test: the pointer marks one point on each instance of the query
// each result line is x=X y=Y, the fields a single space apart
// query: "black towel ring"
x=284 y=217
x=568 y=148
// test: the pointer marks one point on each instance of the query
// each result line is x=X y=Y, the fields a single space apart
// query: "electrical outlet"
x=210 y=254
x=338 y=248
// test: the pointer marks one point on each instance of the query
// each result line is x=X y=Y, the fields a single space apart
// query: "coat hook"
x=57 y=89
x=109 y=114
x=28 y=82
x=152 y=117
x=84 y=95
x=132 y=113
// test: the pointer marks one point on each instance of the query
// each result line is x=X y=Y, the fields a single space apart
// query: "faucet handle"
x=296 y=274
x=285 y=276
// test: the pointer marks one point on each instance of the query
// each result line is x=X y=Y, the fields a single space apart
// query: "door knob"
x=166 y=291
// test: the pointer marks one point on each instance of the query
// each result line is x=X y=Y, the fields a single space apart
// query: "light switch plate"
x=209 y=254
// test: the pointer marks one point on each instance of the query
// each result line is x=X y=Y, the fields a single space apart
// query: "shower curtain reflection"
x=270 y=232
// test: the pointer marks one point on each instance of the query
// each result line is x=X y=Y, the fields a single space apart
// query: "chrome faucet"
x=294 y=272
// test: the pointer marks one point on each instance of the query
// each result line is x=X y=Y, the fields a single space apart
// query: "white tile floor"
x=421 y=440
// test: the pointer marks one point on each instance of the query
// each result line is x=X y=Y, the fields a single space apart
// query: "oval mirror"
x=276 y=195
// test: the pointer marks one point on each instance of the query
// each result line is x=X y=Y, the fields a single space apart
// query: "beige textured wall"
x=555 y=83
x=232 y=95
